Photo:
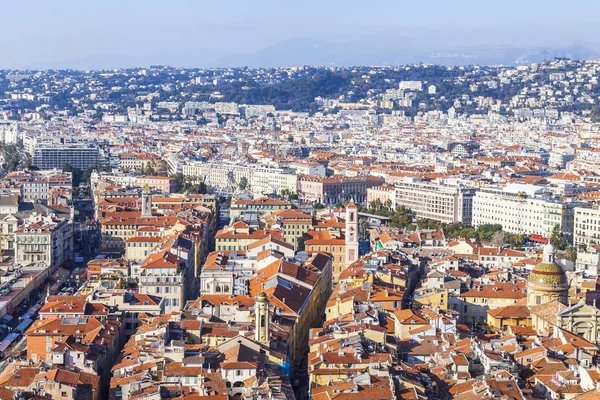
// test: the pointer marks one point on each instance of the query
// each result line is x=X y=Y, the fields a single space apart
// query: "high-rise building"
x=56 y=156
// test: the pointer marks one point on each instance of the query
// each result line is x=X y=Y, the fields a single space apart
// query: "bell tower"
x=351 y=241
x=261 y=313
x=146 y=202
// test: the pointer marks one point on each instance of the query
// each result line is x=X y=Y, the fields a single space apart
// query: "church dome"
x=548 y=274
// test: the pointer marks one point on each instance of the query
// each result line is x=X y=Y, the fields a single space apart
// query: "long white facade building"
x=224 y=178
x=587 y=226
x=523 y=209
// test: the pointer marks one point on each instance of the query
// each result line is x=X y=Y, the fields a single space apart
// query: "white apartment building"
x=587 y=226
x=309 y=168
x=411 y=85
x=266 y=180
x=44 y=240
x=225 y=177
x=230 y=273
x=523 y=209
x=439 y=201
x=9 y=133
x=37 y=187
x=588 y=262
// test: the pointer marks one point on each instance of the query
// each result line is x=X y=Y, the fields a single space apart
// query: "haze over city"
x=111 y=34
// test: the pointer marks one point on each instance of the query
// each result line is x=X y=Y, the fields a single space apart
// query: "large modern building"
x=523 y=209
x=439 y=201
x=56 y=156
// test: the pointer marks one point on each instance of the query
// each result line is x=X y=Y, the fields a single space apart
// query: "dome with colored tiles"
x=548 y=274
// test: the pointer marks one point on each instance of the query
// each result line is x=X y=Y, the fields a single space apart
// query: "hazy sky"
x=63 y=33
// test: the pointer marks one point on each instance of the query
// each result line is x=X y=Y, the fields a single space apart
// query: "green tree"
x=571 y=253
x=77 y=176
x=401 y=217
x=457 y=230
x=29 y=161
x=486 y=232
x=179 y=181
x=86 y=176
x=516 y=239
x=556 y=238
x=243 y=183
x=363 y=227
x=426 y=223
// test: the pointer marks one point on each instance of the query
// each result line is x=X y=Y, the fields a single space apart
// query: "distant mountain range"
x=304 y=51
x=376 y=49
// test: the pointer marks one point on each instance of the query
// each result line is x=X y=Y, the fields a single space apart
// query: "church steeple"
x=351 y=238
x=146 y=202
x=261 y=313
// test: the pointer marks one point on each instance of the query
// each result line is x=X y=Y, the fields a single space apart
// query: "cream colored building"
x=8 y=227
x=225 y=177
x=581 y=319
x=523 y=209
x=586 y=226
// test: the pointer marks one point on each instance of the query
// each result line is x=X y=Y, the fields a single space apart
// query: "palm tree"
x=363 y=227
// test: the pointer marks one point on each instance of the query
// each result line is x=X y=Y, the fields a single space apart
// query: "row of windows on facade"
x=33 y=257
